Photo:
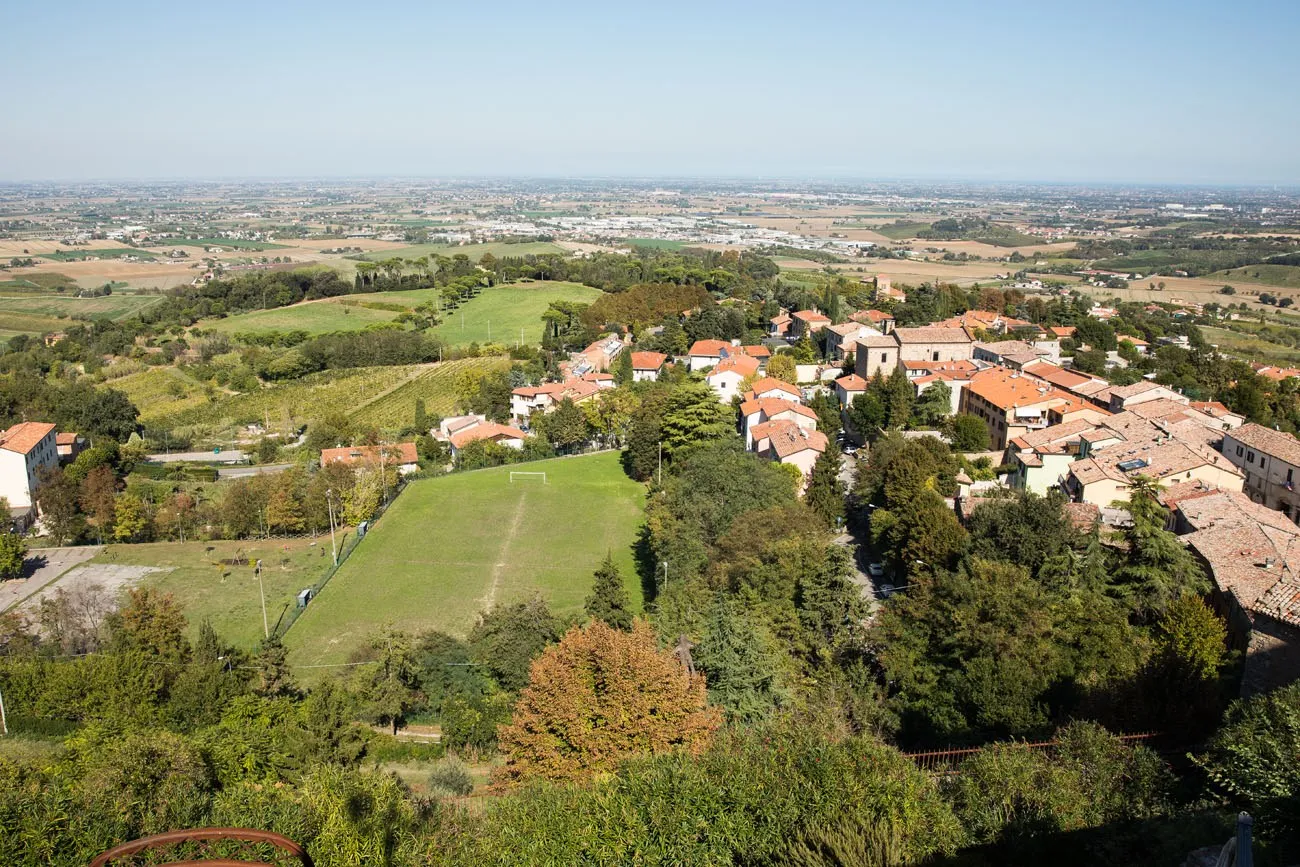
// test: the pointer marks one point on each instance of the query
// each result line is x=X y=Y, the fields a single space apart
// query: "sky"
x=1141 y=91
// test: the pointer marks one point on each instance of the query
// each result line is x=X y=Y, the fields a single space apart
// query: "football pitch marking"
x=504 y=557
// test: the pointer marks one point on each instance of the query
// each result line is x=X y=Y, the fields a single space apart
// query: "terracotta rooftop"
x=65 y=439
x=1062 y=330
x=648 y=360
x=871 y=316
x=811 y=316
x=397 y=453
x=1052 y=439
x=768 y=383
x=932 y=334
x=25 y=436
x=789 y=439
x=774 y=406
x=709 y=348
x=741 y=364
x=1124 y=392
x=873 y=341
x=1005 y=347
x=1008 y=389
x=852 y=382
x=489 y=431
x=1273 y=443
x=1069 y=380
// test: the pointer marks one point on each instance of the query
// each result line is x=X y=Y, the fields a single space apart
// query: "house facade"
x=26 y=449
x=1270 y=460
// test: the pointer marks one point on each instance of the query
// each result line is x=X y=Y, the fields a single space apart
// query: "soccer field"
x=453 y=546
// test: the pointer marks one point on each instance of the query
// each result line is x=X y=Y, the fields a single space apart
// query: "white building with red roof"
x=728 y=374
x=400 y=455
x=25 y=450
x=646 y=366
x=526 y=400
x=510 y=437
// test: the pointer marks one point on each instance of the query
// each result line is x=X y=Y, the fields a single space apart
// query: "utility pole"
x=329 y=500
x=266 y=629
x=4 y=725
x=661 y=463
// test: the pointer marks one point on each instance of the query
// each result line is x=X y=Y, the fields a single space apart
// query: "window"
x=1239 y=450
x=884 y=358
x=936 y=355
x=1250 y=457
x=1289 y=471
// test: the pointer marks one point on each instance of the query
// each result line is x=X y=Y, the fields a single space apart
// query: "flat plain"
x=453 y=546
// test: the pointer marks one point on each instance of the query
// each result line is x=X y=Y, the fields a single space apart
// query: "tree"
x=693 y=416
x=391 y=688
x=782 y=366
x=827 y=407
x=566 y=427
x=98 y=500
x=283 y=512
x=421 y=419
x=899 y=394
x=609 y=601
x=739 y=663
x=601 y=696
x=132 y=519
x=507 y=638
x=152 y=623
x=56 y=496
x=1158 y=569
x=968 y=434
x=271 y=675
x=933 y=405
x=623 y=367
x=825 y=494
x=1254 y=762
x=13 y=550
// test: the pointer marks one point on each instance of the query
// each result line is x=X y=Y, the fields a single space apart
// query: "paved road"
x=42 y=567
x=847 y=539
x=227 y=456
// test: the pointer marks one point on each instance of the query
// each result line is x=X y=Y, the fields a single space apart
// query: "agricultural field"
x=473 y=251
x=1266 y=276
x=901 y=230
x=77 y=254
x=226 y=594
x=117 y=306
x=228 y=243
x=31 y=281
x=160 y=392
x=501 y=313
x=13 y=323
x=455 y=545
x=438 y=386
x=314 y=317
x=1250 y=347
x=657 y=243
x=497 y=313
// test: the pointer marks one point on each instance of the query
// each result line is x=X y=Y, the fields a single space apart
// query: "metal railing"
x=945 y=762
x=212 y=847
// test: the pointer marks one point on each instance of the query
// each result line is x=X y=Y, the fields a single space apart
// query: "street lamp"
x=329 y=500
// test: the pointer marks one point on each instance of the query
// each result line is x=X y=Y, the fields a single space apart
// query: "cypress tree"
x=609 y=601
x=825 y=495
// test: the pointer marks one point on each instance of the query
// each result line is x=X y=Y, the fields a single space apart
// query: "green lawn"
x=496 y=314
x=314 y=317
x=474 y=251
x=500 y=312
x=452 y=546
x=228 y=595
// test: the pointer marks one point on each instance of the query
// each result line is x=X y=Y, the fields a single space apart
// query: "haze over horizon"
x=1154 y=93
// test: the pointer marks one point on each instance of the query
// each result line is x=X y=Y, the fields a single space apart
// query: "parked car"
x=876 y=570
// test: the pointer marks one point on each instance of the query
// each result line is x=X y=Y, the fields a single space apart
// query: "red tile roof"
x=774 y=406
x=767 y=383
x=742 y=364
x=648 y=360
x=489 y=431
x=709 y=348
x=788 y=439
x=401 y=453
x=852 y=382
x=811 y=316
x=25 y=436
x=66 y=439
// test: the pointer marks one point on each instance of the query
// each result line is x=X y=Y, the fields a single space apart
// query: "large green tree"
x=609 y=601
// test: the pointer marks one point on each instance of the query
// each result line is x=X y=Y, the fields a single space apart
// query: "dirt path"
x=490 y=599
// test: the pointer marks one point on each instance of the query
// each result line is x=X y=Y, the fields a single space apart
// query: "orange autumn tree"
x=600 y=696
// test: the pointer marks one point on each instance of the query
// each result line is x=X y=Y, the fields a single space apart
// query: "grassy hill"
x=1283 y=276
x=901 y=230
x=452 y=546
x=113 y=306
x=498 y=313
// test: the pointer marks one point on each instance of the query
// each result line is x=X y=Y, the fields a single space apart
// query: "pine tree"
x=738 y=664
x=272 y=679
x=825 y=495
x=609 y=601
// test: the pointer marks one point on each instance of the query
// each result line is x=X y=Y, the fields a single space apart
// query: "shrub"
x=451 y=776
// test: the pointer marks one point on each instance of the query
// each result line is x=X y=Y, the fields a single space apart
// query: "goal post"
x=527 y=476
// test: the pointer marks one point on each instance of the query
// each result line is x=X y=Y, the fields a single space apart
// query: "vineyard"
x=383 y=397
x=160 y=392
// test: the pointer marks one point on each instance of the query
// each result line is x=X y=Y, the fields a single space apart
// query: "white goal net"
x=526 y=477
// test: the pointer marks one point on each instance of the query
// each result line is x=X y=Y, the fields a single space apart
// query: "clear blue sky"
x=1141 y=90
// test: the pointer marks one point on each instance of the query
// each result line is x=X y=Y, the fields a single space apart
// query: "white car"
x=876 y=570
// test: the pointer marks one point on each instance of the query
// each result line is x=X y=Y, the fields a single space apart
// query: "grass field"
x=499 y=313
x=901 y=231
x=1250 y=347
x=496 y=314
x=657 y=243
x=228 y=595
x=113 y=306
x=38 y=282
x=453 y=546
x=1282 y=276
x=473 y=251
x=14 y=322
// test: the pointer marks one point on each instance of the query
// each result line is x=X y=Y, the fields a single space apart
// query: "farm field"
x=1267 y=276
x=159 y=392
x=225 y=594
x=1250 y=347
x=473 y=251
x=315 y=317
x=13 y=323
x=380 y=396
x=437 y=386
x=1201 y=290
x=116 y=306
x=228 y=243
x=453 y=546
x=496 y=314
x=499 y=313
x=77 y=254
